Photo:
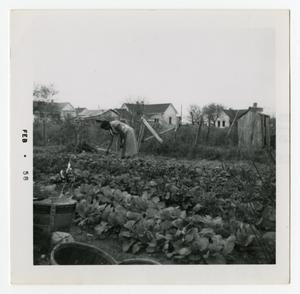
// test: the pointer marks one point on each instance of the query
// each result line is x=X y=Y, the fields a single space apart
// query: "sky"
x=101 y=60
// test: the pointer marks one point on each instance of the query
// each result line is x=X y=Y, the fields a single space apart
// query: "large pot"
x=133 y=261
x=76 y=253
x=51 y=215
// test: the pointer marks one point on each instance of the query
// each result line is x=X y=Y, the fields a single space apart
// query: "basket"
x=140 y=261
x=51 y=215
x=76 y=253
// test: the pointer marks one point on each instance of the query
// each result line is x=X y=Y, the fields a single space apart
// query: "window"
x=223 y=123
x=219 y=123
x=170 y=120
x=156 y=120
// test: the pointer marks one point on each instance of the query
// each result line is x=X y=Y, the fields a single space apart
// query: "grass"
x=186 y=150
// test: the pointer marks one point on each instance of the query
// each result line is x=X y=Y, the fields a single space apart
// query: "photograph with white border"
x=156 y=140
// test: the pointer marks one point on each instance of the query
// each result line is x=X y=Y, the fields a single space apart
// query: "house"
x=124 y=115
x=254 y=128
x=53 y=110
x=108 y=114
x=224 y=120
x=79 y=110
x=65 y=109
x=164 y=113
x=226 y=117
x=233 y=115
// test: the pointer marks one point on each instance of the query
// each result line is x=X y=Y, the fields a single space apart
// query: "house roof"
x=100 y=113
x=253 y=109
x=148 y=108
x=61 y=105
x=80 y=109
x=232 y=113
x=92 y=112
x=122 y=112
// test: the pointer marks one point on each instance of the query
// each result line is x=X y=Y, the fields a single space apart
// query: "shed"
x=254 y=129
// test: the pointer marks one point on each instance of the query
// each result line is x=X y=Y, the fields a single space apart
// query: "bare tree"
x=195 y=114
x=44 y=92
x=196 y=118
x=211 y=113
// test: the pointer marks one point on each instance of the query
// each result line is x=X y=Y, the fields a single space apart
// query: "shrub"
x=65 y=133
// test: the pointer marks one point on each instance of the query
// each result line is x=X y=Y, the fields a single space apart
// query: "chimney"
x=255 y=108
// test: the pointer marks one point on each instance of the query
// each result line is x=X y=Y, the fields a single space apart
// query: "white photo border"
x=22 y=269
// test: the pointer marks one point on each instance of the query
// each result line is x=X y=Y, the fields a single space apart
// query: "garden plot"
x=184 y=212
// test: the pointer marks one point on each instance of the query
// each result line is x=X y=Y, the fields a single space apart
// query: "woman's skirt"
x=131 y=146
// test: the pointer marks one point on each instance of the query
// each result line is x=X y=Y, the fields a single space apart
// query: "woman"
x=128 y=140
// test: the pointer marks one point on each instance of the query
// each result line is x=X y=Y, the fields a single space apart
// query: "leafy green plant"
x=213 y=214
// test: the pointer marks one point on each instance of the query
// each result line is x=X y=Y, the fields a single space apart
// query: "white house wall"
x=158 y=116
x=163 y=118
x=68 y=107
x=124 y=106
x=68 y=111
x=170 y=112
x=223 y=119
